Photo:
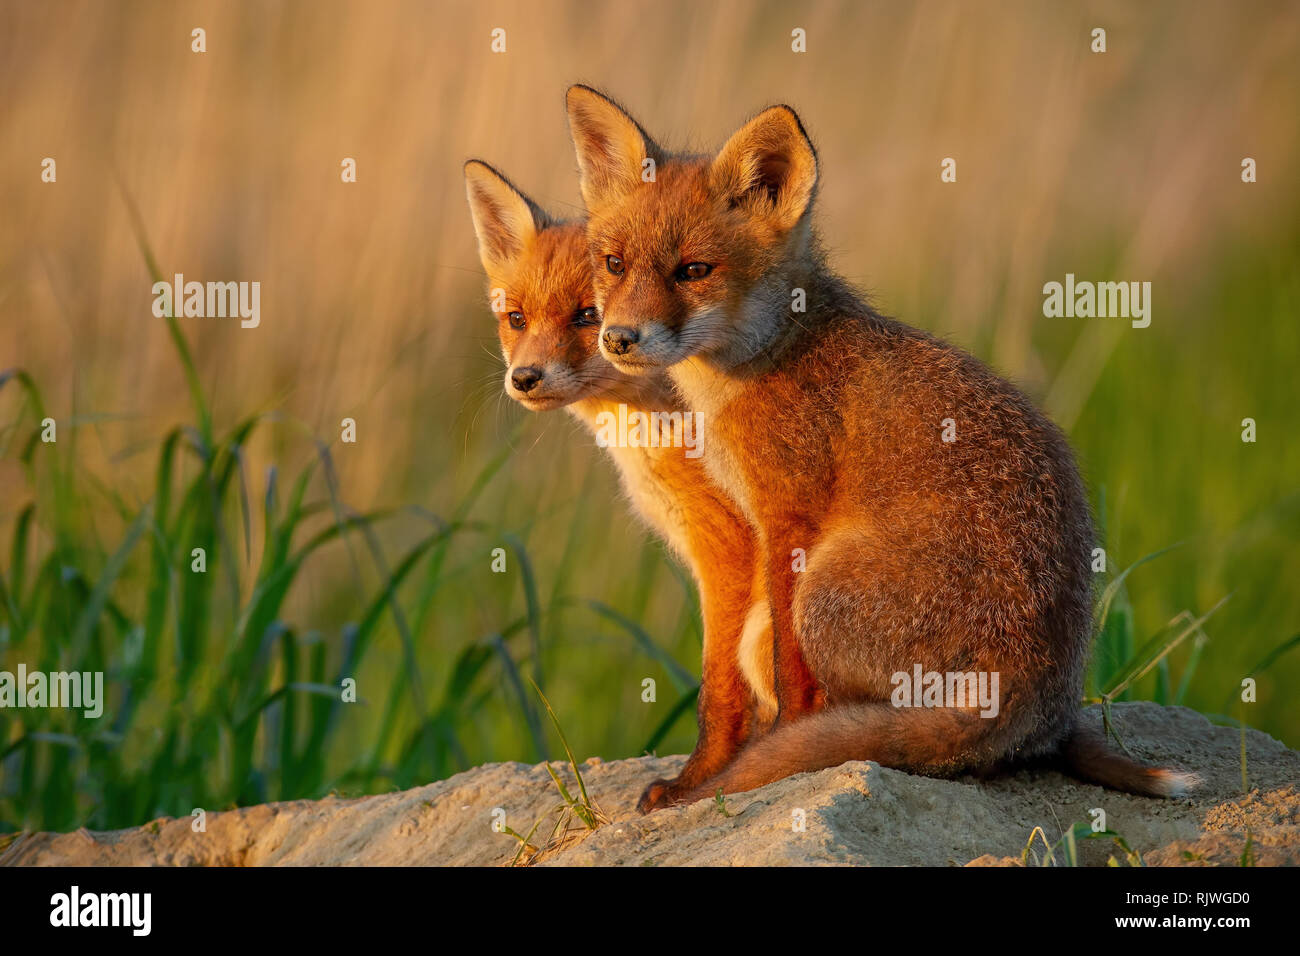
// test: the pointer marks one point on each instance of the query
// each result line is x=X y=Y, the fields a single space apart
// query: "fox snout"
x=540 y=385
x=527 y=378
x=619 y=339
x=637 y=349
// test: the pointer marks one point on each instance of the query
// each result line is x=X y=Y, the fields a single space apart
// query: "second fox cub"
x=943 y=520
x=548 y=328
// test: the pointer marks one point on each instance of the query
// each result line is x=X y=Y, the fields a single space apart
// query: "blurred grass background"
x=1115 y=166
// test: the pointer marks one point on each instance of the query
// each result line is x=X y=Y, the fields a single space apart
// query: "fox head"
x=539 y=277
x=692 y=256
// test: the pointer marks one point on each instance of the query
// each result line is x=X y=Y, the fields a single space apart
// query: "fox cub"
x=540 y=277
x=914 y=512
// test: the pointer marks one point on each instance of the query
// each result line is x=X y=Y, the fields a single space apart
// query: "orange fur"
x=541 y=266
x=827 y=430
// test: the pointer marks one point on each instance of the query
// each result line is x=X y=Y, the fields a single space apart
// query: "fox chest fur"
x=652 y=476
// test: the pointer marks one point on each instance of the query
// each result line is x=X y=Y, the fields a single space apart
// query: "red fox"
x=549 y=328
x=914 y=512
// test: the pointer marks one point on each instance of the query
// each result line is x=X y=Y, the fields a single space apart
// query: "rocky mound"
x=858 y=813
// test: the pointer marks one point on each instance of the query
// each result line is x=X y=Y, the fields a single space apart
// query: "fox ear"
x=612 y=148
x=505 y=220
x=769 y=167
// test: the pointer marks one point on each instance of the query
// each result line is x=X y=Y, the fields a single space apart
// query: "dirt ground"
x=858 y=813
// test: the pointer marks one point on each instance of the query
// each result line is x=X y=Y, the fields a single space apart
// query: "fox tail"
x=930 y=741
x=1088 y=757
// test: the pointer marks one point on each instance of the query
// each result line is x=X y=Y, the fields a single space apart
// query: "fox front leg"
x=723 y=731
x=737 y=622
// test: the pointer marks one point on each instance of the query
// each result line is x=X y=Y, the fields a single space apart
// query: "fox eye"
x=614 y=264
x=516 y=320
x=588 y=316
x=692 y=270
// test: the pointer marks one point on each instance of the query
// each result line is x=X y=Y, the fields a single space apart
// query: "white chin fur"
x=643 y=368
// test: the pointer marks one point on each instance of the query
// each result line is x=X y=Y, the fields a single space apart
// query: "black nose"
x=619 y=339
x=525 y=379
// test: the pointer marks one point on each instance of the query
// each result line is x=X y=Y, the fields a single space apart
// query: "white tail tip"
x=1176 y=783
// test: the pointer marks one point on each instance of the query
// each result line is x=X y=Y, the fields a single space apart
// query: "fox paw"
x=659 y=794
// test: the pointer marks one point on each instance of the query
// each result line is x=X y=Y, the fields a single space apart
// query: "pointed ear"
x=611 y=147
x=769 y=167
x=505 y=220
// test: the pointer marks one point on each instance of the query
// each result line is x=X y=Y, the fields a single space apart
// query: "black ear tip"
x=581 y=91
x=803 y=131
x=479 y=167
x=794 y=115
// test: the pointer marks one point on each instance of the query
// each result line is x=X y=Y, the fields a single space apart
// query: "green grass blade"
x=681 y=678
x=1154 y=651
x=531 y=603
x=1109 y=594
x=515 y=679
x=99 y=596
x=173 y=327
x=685 y=704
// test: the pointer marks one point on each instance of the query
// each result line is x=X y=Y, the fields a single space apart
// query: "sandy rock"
x=858 y=814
